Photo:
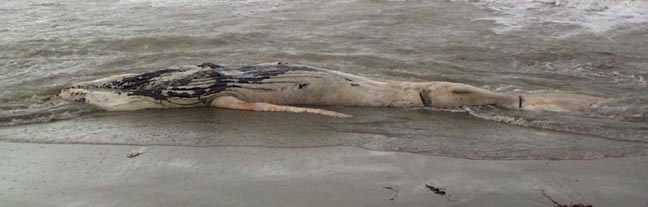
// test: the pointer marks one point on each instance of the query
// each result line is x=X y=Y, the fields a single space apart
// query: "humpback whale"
x=280 y=87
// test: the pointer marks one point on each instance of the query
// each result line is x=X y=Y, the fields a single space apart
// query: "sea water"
x=597 y=48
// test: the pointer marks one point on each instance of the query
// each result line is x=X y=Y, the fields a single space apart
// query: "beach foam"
x=587 y=16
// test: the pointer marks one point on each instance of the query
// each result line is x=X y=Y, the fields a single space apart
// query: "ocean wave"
x=615 y=119
x=588 y=5
x=586 y=16
x=192 y=3
x=38 y=109
x=40 y=118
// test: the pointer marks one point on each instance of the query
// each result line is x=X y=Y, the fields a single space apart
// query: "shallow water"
x=598 y=49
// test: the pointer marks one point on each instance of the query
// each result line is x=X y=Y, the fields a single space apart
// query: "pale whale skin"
x=284 y=84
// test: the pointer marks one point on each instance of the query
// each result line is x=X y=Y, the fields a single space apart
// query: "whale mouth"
x=73 y=93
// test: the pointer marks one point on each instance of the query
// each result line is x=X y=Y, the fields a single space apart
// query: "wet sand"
x=452 y=134
x=102 y=175
x=216 y=157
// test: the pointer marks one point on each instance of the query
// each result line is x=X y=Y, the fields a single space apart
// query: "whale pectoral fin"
x=230 y=102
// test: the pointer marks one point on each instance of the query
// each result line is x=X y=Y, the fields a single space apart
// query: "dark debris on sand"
x=564 y=205
x=435 y=190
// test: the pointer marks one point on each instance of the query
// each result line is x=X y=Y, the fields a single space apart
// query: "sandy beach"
x=102 y=175
x=276 y=159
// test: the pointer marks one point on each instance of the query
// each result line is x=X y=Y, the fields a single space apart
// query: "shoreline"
x=437 y=133
x=103 y=175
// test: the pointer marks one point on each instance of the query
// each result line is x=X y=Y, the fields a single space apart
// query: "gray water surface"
x=506 y=47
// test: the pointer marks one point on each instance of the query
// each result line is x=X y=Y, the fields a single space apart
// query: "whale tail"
x=558 y=101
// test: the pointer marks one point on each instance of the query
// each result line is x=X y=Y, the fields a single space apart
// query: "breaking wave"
x=610 y=119
x=583 y=16
x=39 y=109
